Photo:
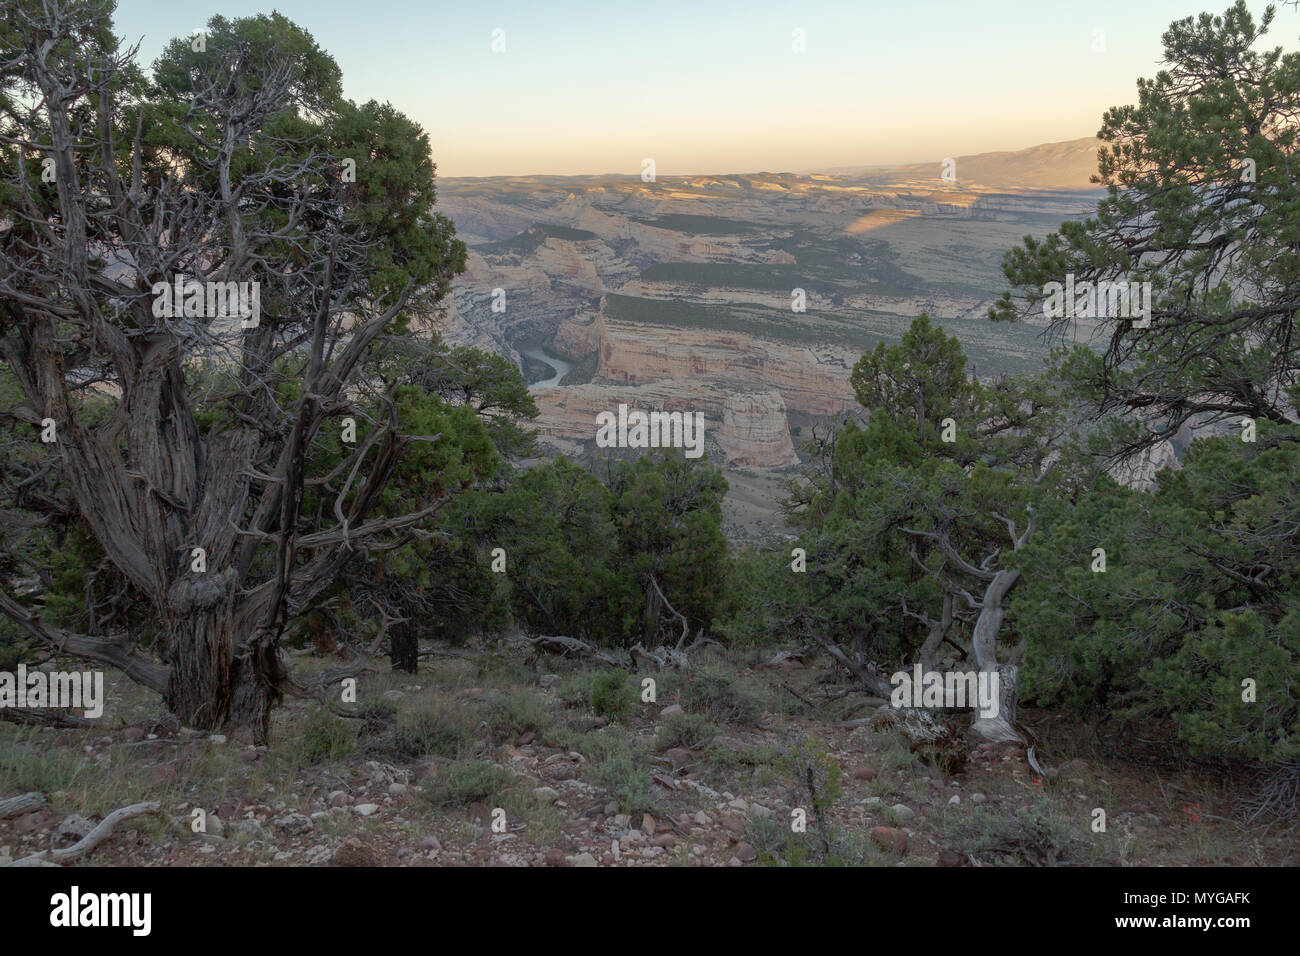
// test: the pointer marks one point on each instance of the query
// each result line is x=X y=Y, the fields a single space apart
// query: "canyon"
x=747 y=298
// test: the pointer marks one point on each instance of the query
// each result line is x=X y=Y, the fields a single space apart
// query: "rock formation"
x=754 y=431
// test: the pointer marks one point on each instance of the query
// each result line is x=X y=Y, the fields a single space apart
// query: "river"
x=561 y=365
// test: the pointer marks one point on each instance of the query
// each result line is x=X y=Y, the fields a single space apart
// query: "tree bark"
x=404 y=648
x=218 y=681
x=938 y=630
x=984 y=643
x=23 y=803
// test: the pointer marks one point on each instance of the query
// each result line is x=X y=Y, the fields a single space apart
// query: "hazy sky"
x=715 y=87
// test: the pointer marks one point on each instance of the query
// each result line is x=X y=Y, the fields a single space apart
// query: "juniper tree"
x=1174 y=599
x=238 y=161
x=1203 y=202
x=911 y=535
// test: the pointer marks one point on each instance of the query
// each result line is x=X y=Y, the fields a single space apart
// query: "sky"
x=717 y=87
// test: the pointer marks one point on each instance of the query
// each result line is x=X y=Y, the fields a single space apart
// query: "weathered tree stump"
x=404 y=648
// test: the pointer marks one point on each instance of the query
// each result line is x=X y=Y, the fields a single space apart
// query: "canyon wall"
x=743 y=384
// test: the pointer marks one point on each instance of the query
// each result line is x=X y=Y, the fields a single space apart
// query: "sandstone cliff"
x=755 y=432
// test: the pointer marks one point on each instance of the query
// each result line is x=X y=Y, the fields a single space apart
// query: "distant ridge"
x=1068 y=165
x=1065 y=165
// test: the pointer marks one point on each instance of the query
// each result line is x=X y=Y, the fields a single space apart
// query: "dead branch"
x=782 y=656
x=860 y=704
x=700 y=639
x=668 y=657
x=797 y=694
x=45 y=717
x=1033 y=762
x=332 y=675
x=856 y=722
x=138 y=668
x=982 y=573
x=564 y=646
x=440 y=652
x=91 y=840
x=317 y=689
x=866 y=675
x=1275 y=799
x=24 y=803
x=686 y=628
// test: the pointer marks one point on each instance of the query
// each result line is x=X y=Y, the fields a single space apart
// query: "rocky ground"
x=495 y=757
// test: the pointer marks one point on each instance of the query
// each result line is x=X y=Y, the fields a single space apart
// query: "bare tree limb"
x=24 y=803
x=569 y=645
x=91 y=840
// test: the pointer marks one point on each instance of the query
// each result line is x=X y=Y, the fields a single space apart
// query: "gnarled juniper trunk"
x=192 y=480
x=1000 y=727
x=220 y=674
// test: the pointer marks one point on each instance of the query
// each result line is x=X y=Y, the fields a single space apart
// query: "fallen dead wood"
x=91 y=840
x=1040 y=769
x=782 y=656
x=46 y=717
x=558 y=644
x=172 y=741
x=930 y=735
x=796 y=694
x=701 y=640
x=856 y=722
x=666 y=656
x=317 y=688
x=442 y=652
x=24 y=803
x=866 y=675
x=332 y=675
x=1274 y=798
x=859 y=705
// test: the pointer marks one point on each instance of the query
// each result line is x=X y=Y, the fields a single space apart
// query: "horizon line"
x=806 y=171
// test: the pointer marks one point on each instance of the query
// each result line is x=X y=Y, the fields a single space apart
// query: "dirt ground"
x=495 y=755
